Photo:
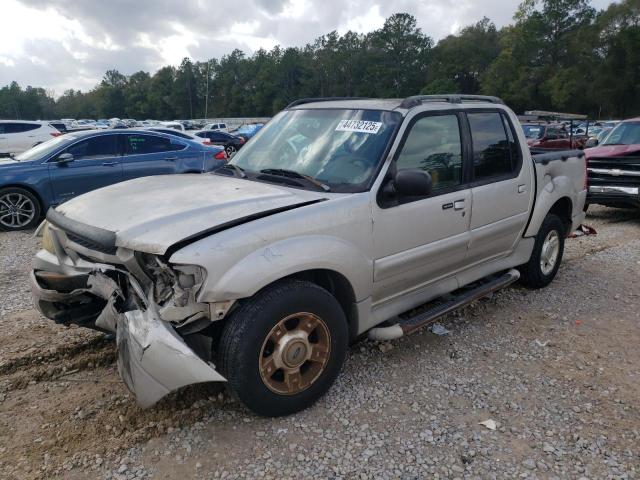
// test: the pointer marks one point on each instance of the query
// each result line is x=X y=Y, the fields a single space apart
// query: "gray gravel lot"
x=558 y=370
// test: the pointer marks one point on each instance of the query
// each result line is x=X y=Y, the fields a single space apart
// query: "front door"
x=94 y=163
x=420 y=241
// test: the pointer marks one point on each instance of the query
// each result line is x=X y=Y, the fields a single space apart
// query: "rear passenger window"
x=434 y=145
x=141 y=144
x=493 y=150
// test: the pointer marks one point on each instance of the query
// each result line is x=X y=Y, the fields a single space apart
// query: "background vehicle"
x=248 y=131
x=58 y=125
x=552 y=137
x=187 y=136
x=173 y=125
x=221 y=127
x=75 y=163
x=339 y=216
x=17 y=136
x=230 y=143
x=614 y=167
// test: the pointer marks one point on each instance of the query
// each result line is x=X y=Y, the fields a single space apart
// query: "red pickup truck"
x=552 y=137
x=614 y=167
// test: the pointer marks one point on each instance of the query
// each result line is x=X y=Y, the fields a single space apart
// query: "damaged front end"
x=150 y=305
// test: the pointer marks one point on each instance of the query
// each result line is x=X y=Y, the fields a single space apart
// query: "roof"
x=392 y=104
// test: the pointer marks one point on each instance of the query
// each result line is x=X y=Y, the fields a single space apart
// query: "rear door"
x=96 y=163
x=421 y=240
x=502 y=186
x=147 y=154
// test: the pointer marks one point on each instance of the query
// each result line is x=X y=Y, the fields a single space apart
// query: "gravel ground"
x=557 y=370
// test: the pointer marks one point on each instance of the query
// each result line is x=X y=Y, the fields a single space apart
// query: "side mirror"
x=64 y=158
x=413 y=183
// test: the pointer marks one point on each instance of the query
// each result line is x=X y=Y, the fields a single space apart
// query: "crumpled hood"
x=612 y=151
x=152 y=213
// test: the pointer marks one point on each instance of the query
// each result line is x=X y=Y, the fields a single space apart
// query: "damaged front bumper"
x=153 y=358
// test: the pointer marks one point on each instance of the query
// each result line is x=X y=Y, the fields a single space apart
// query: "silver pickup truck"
x=340 y=218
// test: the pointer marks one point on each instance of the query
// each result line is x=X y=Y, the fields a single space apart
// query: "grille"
x=90 y=244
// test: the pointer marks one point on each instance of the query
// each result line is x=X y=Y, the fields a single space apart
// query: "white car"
x=178 y=133
x=173 y=125
x=220 y=127
x=16 y=136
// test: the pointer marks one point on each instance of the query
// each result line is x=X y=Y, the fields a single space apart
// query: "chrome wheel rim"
x=231 y=151
x=16 y=210
x=295 y=353
x=550 y=252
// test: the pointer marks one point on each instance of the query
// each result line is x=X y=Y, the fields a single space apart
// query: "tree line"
x=556 y=55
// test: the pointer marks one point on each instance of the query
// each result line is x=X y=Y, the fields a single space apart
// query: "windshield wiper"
x=283 y=172
x=238 y=171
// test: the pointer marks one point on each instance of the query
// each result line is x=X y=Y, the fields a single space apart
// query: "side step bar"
x=444 y=305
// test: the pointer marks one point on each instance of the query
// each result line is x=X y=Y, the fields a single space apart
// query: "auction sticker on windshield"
x=360 y=126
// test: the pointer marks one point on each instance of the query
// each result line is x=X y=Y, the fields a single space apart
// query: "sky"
x=62 y=44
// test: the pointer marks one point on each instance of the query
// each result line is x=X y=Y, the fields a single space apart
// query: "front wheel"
x=231 y=151
x=282 y=349
x=546 y=257
x=19 y=209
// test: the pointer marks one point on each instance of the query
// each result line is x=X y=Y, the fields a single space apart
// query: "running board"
x=435 y=309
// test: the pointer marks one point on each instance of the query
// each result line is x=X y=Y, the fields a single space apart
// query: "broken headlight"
x=179 y=283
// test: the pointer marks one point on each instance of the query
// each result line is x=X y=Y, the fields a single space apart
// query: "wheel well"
x=563 y=208
x=31 y=191
x=338 y=285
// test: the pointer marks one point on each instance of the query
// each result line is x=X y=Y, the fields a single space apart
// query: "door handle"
x=170 y=159
x=109 y=164
x=522 y=188
x=458 y=205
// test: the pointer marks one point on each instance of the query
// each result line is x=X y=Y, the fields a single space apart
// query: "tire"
x=251 y=360
x=544 y=263
x=230 y=150
x=19 y=209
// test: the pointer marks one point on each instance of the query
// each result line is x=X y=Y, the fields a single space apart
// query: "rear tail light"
x=55 y=134
x=242 y=140
x=221 y=155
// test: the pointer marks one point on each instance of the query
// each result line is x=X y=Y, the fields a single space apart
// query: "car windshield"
x=44 y=149
x=533 y=132
x=627 y=133
x=339 y=148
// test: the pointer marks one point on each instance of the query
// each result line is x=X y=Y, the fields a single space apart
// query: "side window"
x=141 y=144
x=12 y=128
x=434 y=145
x=103 y=146
x=492 y=151
x=26 y=127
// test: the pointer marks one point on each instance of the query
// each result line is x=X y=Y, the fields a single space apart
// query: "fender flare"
x=554 y=190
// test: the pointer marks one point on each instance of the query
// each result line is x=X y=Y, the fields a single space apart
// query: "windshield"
x=44 y=149
x=340 y=148
x=533 y=132
x=627 y=133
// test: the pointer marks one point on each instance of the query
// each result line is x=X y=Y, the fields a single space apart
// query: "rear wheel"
x=546 y=257
x=282 y=349
x=19 y=209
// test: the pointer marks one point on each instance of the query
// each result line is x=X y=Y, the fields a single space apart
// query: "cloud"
x=62 y=44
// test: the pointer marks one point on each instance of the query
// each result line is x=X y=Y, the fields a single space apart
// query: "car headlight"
x=47 y=240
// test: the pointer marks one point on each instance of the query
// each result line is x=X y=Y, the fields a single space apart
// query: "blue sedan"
x=76 y=163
